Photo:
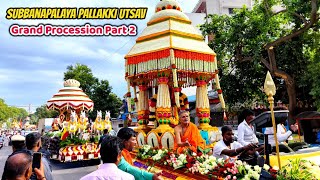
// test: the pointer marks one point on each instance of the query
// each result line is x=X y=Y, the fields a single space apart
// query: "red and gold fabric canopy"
x=70 y=96
x=170 y=29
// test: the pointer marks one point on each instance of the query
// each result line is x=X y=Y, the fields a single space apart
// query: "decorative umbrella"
x=70 y=97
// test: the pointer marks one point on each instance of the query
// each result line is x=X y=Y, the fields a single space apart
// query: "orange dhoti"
x=193 y=136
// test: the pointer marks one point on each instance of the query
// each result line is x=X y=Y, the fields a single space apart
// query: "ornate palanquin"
x=170 y=54
x=72 y=104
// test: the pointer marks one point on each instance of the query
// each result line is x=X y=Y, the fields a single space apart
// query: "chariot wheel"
x=153 y=139
x=167 y=140
x=141 y=139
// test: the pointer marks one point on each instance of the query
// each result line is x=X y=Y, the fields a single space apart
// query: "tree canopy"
x=42 y=112
x=7 y=112
x=275 y=36
x=99 y=91
x=83 y=74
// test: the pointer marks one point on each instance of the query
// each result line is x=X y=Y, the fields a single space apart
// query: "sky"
x=32 y=68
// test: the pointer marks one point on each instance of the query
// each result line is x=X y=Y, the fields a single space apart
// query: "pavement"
x=4 y=153
x=60 y=171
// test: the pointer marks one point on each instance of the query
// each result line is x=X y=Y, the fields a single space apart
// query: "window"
x=231 y=10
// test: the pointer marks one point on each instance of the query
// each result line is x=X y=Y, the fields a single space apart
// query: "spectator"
x=110 y=154
x=44 y=148
x=33 y=143
x=105 y=134
x=18 y=142
x=18 y=145
x=128 y=137
x=23 y=132
x=1 y=139
x=19 y=167
x=6 y=140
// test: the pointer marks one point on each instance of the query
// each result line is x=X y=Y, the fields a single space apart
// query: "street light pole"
x=270 y=90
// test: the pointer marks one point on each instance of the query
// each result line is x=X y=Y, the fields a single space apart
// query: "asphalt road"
x=4 y=153
x=60 y=171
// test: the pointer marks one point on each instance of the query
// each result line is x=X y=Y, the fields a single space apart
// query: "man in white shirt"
x=246 y=134
x=282 y=133
x=227 y=148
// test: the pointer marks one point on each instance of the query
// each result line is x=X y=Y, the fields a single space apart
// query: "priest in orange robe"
x=187 y=135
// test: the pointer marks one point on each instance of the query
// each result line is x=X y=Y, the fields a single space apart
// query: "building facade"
x=220 y=6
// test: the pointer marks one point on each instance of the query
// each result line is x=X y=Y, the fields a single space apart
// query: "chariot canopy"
x=70 y=97
x=170 y=54
x=170 y=42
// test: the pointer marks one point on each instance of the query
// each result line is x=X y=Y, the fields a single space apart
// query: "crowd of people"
x=117 y=162
x=19 y=163
x=5 y=137
x=115 y=151
x=247 y=146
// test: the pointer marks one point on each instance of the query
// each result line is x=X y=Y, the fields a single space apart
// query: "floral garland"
x=201 y=163
x=204 y=164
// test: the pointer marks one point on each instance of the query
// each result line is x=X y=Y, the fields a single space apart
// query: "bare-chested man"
x=187 y=134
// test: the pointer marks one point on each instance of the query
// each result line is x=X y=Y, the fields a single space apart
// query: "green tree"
x=3 y=110
x=313 y=76
x=83 y=74
x=253 y=41
x=104 y=99
x=100 y=92
x=33 y=119
x=43 y=112
x=7 y=112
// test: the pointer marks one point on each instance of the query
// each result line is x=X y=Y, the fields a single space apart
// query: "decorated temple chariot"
x=169 y=55
x=74 y=137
